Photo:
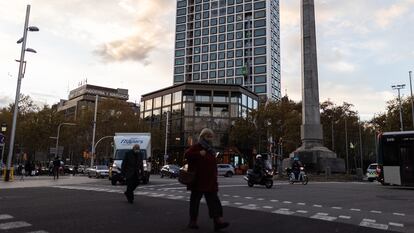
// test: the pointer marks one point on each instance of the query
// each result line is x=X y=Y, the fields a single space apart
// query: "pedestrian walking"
x=56 y=167
x=132 y=169
x=22 y=171
x=201 y=159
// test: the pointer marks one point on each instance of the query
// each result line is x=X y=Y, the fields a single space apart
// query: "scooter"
x=253 y=178
x=302 y=177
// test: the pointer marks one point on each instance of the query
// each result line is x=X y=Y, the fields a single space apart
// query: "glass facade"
x=192 y=107
x=229 y=41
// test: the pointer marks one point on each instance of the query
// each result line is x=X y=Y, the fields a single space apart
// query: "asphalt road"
x=162 y=206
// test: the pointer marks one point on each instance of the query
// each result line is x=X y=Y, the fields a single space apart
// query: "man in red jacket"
x=201 y=159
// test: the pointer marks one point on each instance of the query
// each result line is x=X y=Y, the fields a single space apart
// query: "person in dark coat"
x=132 y=169
x=202 y=160
x=56 y=167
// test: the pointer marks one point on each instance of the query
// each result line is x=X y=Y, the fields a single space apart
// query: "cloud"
x=5 y=101
x=149 y=33
x=133 y=48
x=386 y=16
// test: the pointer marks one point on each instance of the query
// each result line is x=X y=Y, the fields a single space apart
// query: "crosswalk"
x=365 y=218
x=9 y=223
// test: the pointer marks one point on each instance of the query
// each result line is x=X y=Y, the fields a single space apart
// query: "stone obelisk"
x=312 y=152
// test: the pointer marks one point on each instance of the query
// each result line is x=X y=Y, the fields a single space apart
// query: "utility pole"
x=398 y=88
x=166 y=139
x=346 y=146
x=94 y=130
x=360 y=146
x=412 y=100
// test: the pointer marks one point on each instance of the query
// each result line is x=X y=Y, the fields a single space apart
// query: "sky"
x=364 y=47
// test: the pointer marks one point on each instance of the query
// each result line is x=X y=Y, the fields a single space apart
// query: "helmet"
x=296 y=159
x=259 y=156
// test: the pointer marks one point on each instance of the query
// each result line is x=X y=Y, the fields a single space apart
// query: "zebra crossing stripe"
x=396 y=224
x=13 y=225
x=38 y=232
x=373 y=225
x=5 y=216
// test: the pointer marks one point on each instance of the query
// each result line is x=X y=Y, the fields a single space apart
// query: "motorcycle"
x=302 y=177
x=253 y=178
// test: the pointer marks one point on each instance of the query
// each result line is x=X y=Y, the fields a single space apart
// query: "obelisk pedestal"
x=312 y=152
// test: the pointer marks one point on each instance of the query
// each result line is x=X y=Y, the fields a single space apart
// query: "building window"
x=260 y=89
x=202 y=110
x=260 y=60
x=180 y=28
x=148 y=104
x=179 y=52
x=259 y=14
x=260 y=32
x=260 y=69
x=259 y=5
x=230 y=63
x=212 y=74
x=213 y=56
x=260 y=51
x=260 y=79
x=230 y=45
x=178 y=78
x=221 y=73
x=179 y=61
x=179 y=70
x=260 y=23
x=157 y=102
x=204 y=49
x=222 y=46
x=203 y=96
x=260 y=41
x=196 y=67
x=230 y=73
x=182 y=11
x=221 y=64
x=204 y=66
x=220 y=111
x=229 y=81
x=213 y=47
x=166 y=100
x=213 y=65
x=177 y=97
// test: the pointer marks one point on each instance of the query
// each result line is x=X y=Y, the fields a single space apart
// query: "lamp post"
x=412 y=100
x=19 y=80
x=94 y=129
x=398 y=88
x=3 y=145
x=166 y=139
x=346 y=146
x=57 y=137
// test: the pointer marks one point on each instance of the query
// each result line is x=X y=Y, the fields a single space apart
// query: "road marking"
x=324 y=214
x=369 y=220
x=301 y=203
x=260 y=199
x=398 y=214
x=344 y=217
x=226 y=195
x=38 y=232
x=248 y=197
x=302 y=211
x=319 y=206
x=13 y=225
x=157 y=195
x=267 y=207
x=376 y=211
x=396 y=224
x=175 y=197
x=274 y=200
x=140 y=193
x=248 y=207
x=287 y=202
x=337 y=208
x=225 y=203
x=283 y=211
x=5 y=216
x=238 y=203
x=355 y=209
x=236 y=196
x=323 y=217
x=373 y=225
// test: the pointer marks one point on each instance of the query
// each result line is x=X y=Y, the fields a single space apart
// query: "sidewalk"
x=44 y=181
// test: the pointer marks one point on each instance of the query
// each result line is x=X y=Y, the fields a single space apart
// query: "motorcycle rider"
x=259 y=166
x=296 y=167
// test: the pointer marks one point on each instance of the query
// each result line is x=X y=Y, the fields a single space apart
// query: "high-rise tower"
x=229 y=42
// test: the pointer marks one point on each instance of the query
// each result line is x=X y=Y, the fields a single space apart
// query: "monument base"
x=317 y=159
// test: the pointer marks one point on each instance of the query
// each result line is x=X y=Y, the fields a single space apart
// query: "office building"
x=229 y=42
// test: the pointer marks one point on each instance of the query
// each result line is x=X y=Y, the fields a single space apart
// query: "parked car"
x=225 y=170
x=372 y=173
x=98 y=171
x=170 y=170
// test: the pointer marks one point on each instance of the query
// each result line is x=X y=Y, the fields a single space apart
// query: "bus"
x=396 y=158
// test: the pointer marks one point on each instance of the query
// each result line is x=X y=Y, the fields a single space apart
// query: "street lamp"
x=57 y=137
x=412 y=100
x=398 y=88
x=19 y=81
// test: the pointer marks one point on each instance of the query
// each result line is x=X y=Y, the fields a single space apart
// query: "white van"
x=123 y=142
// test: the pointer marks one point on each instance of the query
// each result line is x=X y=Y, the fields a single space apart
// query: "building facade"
x=229 y=42
x=84 y=97
x=190 y=108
